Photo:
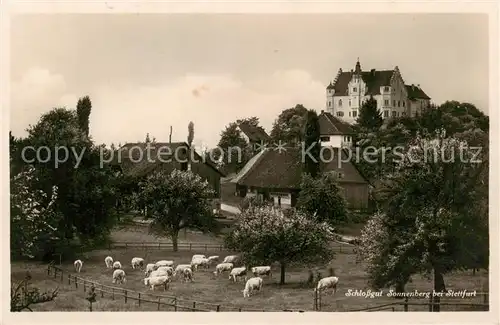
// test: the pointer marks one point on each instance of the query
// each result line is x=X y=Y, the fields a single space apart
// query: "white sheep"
x=157 y=281
x=187 y=275
x=163 y=263
x=78 y=265
x=168 y=269
x=181 y=267
x=261 y=270
x=119 y=276
x=149 y=268
x=195 y=256
x=158 y=273
x=223 y=267
x=328 y=282
x=117 y=265
x=204 y=262
x=137 y=262
x=213 y=259
x=253 y=284
x=109 y=262
x=238 y=272
x=230 y=259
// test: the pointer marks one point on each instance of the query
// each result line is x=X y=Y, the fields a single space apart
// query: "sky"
x=147 y=72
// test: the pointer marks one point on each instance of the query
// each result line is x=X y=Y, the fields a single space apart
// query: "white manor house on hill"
x=349 y=90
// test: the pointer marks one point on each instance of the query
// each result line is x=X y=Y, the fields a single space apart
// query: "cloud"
x=126 y=113
x=210 y=101
x=37 y=92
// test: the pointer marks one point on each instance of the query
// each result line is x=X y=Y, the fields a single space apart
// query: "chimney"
x=322 y=111
x=418 y=85
x=170 y=135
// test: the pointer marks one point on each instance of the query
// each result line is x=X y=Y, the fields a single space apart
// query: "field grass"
x=207 y=288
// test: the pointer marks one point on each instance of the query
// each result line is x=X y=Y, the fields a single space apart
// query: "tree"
x=428 y=224
x=266 y=235
x=86 y=197
x=22 y=296
x=311 y=165
x=83 y=109
x=34 y=219
x=190 y=133
x=323 y=199
x=254 y=121
x=289 y=126
x=178 y=200
x=234 y=149
x=370 y=117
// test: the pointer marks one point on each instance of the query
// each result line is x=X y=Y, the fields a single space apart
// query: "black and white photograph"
x=249 y=162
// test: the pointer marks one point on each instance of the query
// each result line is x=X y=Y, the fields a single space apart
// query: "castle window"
x=386 y=102
x=386 y=88
x=324 y=139
x=340 y=102
x=355 y=89
x=403 y=103
x=403 y=113
x=394 y=103
x=329 y=104
x=349 y=103
x=386 y=113
x=340 y=114
x=349 y=114
x=399 y=103
x=394 y=113
x=354 y=114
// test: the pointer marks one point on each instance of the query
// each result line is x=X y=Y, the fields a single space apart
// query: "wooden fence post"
x=218 y=308
x=139 y=299
x=48 y=269
x=239 y=309
x=69 y=278
x=84 y=285
x=206 y=247
x=430 y=303
x=159 y=303
x=220 y=248
x=175 y=304
x=76 y=282
x=194 y=305
x=125 y=295
x=126 y=245
x=159 y=244
x=190 y=246
x=406 y=304
x=102 y=290
x=113 y=293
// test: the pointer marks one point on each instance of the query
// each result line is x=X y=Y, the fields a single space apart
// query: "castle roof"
x=374 y=80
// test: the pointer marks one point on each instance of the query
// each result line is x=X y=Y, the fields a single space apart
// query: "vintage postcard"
x=302 y=162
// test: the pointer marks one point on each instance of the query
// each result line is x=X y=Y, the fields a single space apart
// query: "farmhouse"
x=276 y=174
x=350 y=89
x=334 y=132
x=135 y=161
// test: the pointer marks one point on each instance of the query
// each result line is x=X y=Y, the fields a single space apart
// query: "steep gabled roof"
x=254 y=133
x=283 y=170
x=330 y=125
x=415 y=92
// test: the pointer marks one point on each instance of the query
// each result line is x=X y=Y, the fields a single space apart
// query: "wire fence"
x=163 y=302
x=339 y=247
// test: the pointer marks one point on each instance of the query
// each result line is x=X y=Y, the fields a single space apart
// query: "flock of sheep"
x=161 y=273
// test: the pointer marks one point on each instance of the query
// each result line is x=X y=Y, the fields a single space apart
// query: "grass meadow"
x=208 y=289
